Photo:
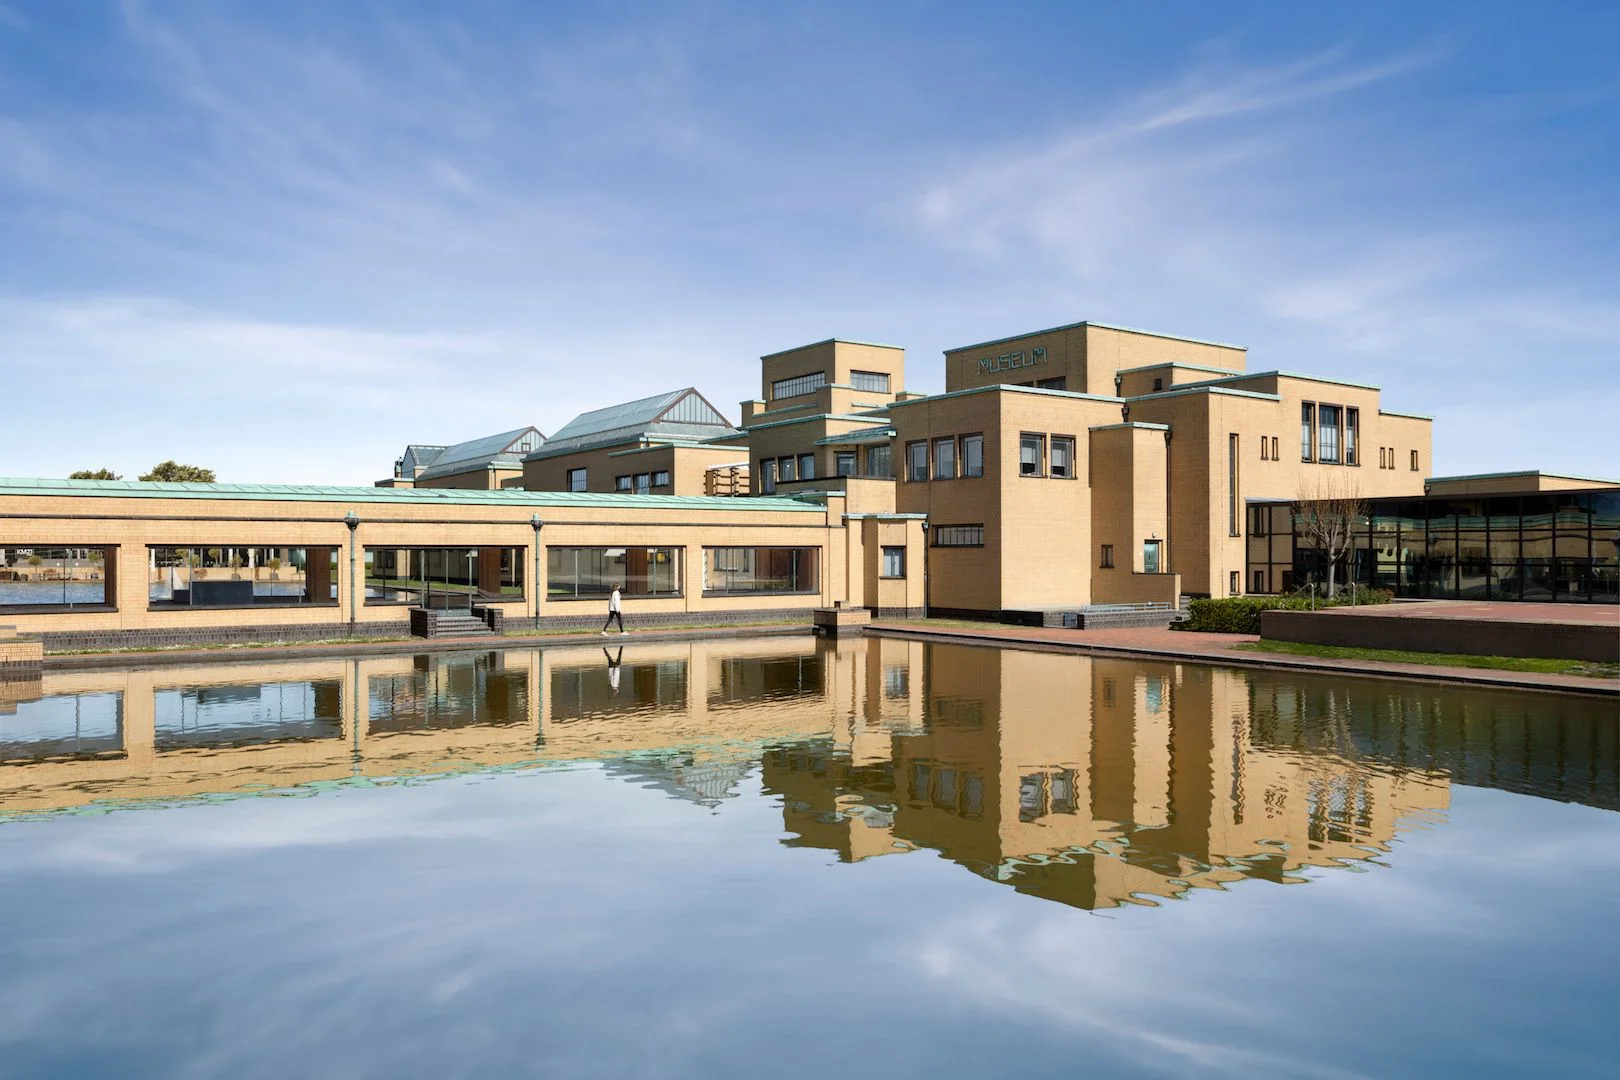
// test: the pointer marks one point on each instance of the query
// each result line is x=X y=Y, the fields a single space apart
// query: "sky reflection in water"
x=790 y=858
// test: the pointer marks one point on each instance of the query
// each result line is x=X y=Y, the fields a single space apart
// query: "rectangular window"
x=643 y=483
x=576 y=479
x=661 y=478
x=1031 y=454
x=1233 y=520
x=1059 y=383
x=1063 y=457
x=1327 y=434
x=767 y=475
x=448 y=577
x=1108 y=556
x=1307 y=432
x=959 y=536
x=57 y=578
x=1262 y=448
x=240 y=576
x=844 y=462
x=589 y=573
x=1352 y=436
x=1382 y=461
x=1257 y=521
x=798 y=386
x=973 y=455
x=916 y=461
x=1259 y=581
x=759 y=570
x=1274 y=450
x=1150 y=556
x=945 y=459
x=807 y=466
x=894 y=562
x=787 y=470
x=1234 y=583
x=623 y=483
x=1414 y=461
x=880 y=462
x=876 y=381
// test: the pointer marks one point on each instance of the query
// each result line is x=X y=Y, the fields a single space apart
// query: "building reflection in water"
x=1093 y=782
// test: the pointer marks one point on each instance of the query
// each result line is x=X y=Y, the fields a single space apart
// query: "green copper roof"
x=137 y=489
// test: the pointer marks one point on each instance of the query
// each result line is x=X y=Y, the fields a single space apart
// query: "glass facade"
x=589 y=573
x=55 y=578
x=447 y=577
x=1551 y=546
x=240 y=576
x=733 y=570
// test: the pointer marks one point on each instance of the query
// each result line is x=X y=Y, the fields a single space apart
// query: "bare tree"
x=1326 y=513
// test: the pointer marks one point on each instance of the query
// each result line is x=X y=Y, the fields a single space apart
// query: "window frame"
x=807 y=466
x=975 y=439
x=109 y=576
x=872 y=384
x=660 y=478
x=1307 y=431
x=798 y=385
x=1052 y=445
x=916 y=472
x=1039 y=440
x=1107 y=557
x=939 y=533
x=624 y=483
x=852 y=458
x=889 y=551
x=577 y=479
x=944 y=468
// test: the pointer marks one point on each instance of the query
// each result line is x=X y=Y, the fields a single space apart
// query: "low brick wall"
x=1415 y=633
x=20 y=655
x=75 y=640
x=660 y=620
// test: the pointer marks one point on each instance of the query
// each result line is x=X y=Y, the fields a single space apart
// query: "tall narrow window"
x=880 y=462
x=1232 y=519
x=767 y=475
x=917 y=461
x=1274 y=450
x=787 y=470
x=1382 y=463
x=1307 y=425
x=576 y=479
x=844 y=462
x=945 y=459
x=807 y=466
x=973 y=455
x=1108 y=556
x=1262 y=448
x=1031 y=452
x=1352 y=436
x=1327 y=434
x=1063 y=457
x=1414 y=461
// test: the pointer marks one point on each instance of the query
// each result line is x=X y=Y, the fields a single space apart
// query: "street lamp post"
x=536 y=524
x=352 y=520
x=925 y=526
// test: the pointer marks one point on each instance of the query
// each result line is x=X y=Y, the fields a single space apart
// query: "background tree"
x=94 y=474
x=176 y=473
x=1326 y=515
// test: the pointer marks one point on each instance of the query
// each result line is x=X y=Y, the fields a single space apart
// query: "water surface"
x=785 y=857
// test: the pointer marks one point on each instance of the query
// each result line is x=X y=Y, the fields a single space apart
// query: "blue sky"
x=285 y=239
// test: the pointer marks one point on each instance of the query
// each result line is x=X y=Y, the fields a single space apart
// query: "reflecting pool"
x=787 y=857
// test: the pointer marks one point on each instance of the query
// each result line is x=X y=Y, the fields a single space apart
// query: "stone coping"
x=1216 y=649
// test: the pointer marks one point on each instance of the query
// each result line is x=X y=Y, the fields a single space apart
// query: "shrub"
x=1241 y=614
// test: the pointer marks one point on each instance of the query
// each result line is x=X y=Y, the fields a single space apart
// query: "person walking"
x=613 y=613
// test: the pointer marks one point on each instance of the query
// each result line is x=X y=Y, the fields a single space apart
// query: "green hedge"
x=1241 y=614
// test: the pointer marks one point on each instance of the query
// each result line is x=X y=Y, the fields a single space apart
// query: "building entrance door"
x=1150 y=556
